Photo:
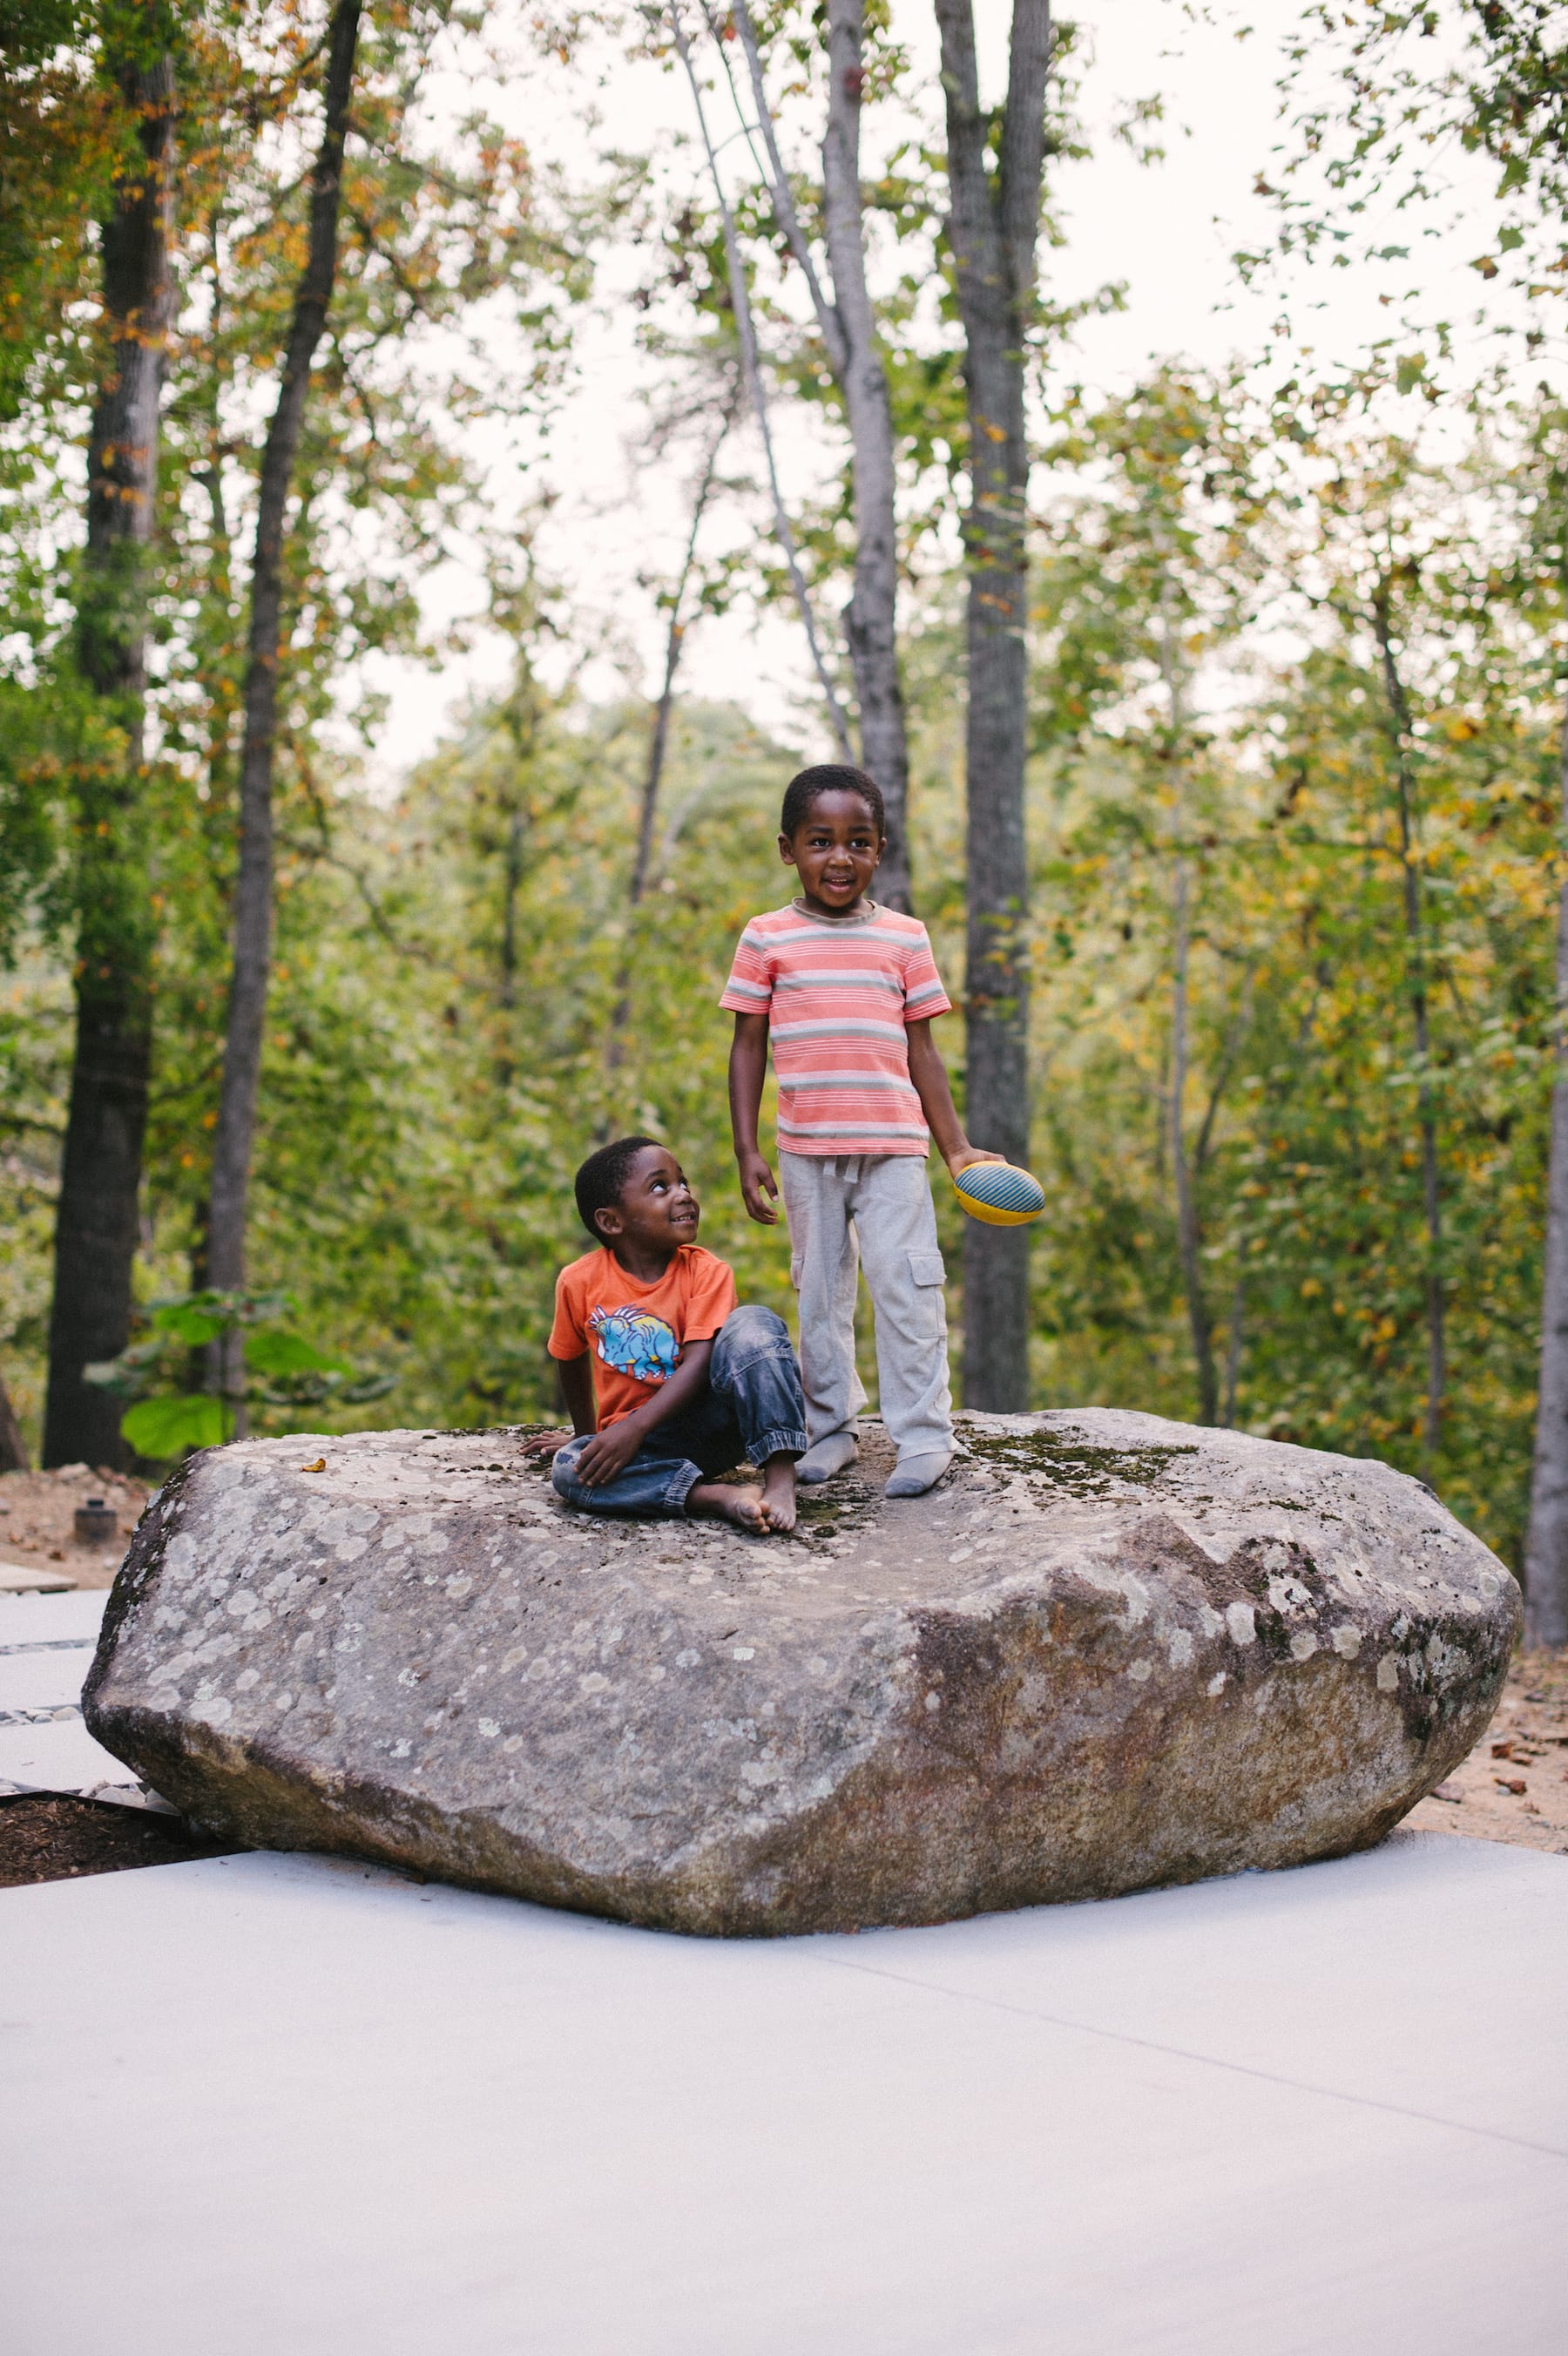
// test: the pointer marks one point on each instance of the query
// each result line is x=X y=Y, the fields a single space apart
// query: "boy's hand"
x=757 y=1182
x=608 y=1452
x=961 y=1161
x=545 y=1443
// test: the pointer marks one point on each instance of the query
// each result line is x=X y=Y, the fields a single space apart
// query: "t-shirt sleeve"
x=712 y=1297
x=924 y=993
x=568 y=1338
x=750 y=989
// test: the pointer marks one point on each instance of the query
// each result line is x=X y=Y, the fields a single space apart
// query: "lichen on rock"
x=1107 y=1652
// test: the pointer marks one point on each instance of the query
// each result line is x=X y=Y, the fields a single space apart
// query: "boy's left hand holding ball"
x=956 y=1161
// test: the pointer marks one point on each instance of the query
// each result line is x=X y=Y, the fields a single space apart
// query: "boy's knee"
x=563 y=1467
x=751 y=1327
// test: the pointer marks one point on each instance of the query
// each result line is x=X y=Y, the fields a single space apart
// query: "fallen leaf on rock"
x=319 y=1466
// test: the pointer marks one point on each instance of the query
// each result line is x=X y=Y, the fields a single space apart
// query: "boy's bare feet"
x=764 y=1511
x=778 y=1492
x=727 y=1503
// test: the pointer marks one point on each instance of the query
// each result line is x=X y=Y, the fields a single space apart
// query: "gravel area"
x=1514 y=1785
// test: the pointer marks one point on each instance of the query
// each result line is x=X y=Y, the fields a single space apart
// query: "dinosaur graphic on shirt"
x=635 y=1343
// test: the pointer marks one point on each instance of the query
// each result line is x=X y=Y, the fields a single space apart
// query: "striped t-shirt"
x=837 y=993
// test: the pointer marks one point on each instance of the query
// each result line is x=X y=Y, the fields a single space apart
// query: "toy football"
x=1000 y=1194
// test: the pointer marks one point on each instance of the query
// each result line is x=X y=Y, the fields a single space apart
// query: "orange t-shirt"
x=637 y=1332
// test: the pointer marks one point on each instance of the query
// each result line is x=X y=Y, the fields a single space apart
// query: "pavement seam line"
x=1187 y=2053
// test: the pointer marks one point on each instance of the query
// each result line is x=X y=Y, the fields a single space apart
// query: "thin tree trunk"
x=12 y=1449
x=1233 y=1347
x=1546 y=1544
x=235 y=1133
x=100 y=1171
x=854 y=353
x=1188 y=1236
x=1416 y=946
x=750 y=369
x=658 y=746
x=992 y=229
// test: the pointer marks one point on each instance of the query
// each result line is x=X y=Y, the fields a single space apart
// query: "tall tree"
x=848 y=326
x=235 y=1133
x=96 y=1223
x=993 y=227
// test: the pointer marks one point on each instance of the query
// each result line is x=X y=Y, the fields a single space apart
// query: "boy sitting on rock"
x=666 y=1379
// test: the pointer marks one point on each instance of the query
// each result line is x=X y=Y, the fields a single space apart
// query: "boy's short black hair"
x=601 y=1180
x=829 y=777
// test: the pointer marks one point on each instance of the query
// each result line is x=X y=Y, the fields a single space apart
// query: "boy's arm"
x=614 y=1450
x=577 y=1383
x=929 y=1074
x=748 y=1069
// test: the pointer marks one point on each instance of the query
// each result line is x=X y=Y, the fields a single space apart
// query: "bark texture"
x=100 y=1171
x=848 y=329
x=1108 y=1652
x=234 y=1138
x=993 y=226
x=12 y=1448
x=1546 y=1548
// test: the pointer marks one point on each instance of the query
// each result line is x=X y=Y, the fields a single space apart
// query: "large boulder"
x=1108 y=1650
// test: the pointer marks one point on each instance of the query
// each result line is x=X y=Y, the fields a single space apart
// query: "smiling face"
x=657 y=1210
x=834 y=850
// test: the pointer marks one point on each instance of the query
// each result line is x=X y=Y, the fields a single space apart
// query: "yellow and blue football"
x=1000 y=1194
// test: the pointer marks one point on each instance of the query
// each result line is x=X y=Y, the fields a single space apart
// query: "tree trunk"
x=992 y=229
x=1415 y=949
x=235 y=1133
x=854 y=354
x=1546 y=1546
x=1188 y=1235
x=100 y=1172
x=12 y=1449
x=658 y=746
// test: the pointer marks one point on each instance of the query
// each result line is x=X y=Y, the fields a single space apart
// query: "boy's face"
x=834 y=850
x=658 y=1210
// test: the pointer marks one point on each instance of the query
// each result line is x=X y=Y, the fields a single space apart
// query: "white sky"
x=1168 y=230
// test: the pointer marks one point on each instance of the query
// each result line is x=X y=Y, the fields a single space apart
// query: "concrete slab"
x=25 y=1579
x=58 y=1755
x=72 y=1619
x=44 y=1677
x=1321 y=2110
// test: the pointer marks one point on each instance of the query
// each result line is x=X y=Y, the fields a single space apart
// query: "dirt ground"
x=1514 y=1785
x=53 y=1837
x=36 y=1526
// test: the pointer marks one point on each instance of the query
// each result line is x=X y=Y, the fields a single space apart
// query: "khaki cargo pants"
x=874 y=1208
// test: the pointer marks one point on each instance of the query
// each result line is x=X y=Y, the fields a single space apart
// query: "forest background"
x=1295 y=690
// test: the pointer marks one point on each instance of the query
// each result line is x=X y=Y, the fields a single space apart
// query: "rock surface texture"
x=1107 y=1652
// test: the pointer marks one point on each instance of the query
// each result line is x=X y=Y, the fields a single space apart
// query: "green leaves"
x=160 y=1429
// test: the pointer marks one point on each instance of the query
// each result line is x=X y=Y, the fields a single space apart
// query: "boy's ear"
x=609 y=1221
x=786 y=850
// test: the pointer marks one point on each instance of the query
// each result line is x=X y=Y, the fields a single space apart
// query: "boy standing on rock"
x=667 y=1380
x=848 y=990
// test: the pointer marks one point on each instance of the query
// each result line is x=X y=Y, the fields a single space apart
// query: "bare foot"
x=778 y=1492
x=744 y=1508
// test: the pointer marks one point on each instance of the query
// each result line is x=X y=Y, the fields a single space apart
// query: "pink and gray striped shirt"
x=837 y=994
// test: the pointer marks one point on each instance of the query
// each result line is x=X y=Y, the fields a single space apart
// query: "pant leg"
x=825 y=1264
x=653 y=1485
x=896 y=1221
x=753 y=1372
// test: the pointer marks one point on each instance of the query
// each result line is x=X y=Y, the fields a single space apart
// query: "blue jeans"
x=753 y=1408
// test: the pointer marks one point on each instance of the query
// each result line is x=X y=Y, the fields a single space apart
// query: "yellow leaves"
x=1310 y=1288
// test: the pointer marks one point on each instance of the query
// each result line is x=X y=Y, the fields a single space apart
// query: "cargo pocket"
x=927 y=1268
